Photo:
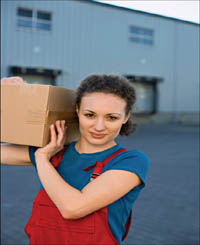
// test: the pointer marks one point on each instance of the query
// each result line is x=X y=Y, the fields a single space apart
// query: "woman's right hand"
x=13 y=80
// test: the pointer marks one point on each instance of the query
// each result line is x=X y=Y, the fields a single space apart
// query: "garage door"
x=144 y=97
x=38 y=79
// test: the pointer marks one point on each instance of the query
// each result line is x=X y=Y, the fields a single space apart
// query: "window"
x=25 y=12
x=24 y=17
x=43 y=20
x=141 y=35
x=34 y=19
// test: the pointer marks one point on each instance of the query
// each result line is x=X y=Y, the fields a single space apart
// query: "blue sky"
x=185 y=10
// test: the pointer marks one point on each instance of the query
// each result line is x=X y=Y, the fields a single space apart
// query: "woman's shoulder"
x=130 y=159
x=132 y=154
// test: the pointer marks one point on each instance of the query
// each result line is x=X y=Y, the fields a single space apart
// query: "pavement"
x=167 y=210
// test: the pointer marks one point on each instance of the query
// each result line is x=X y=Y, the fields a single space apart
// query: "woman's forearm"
x=14 y=155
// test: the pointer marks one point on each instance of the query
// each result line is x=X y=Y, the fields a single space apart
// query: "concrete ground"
x=167 y=211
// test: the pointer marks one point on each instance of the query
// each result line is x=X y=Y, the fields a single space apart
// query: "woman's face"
x=101 y=117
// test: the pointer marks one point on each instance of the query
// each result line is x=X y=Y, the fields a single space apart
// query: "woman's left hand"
x=57 y=141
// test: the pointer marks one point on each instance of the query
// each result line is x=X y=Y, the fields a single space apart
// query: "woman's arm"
x=72 y=203
x=15 y=155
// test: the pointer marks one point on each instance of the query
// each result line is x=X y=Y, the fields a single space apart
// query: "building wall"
x=187 y=68
x=88 y=38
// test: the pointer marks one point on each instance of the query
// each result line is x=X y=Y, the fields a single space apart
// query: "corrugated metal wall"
x=88 y=38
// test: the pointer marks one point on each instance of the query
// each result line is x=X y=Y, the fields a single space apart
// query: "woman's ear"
x=126 y=118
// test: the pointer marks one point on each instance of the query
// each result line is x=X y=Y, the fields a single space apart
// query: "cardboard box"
x=27 y=111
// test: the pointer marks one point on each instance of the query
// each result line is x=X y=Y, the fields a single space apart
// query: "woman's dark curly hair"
x=110 y=84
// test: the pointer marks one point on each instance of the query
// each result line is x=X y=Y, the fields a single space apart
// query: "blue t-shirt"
x=71 y=170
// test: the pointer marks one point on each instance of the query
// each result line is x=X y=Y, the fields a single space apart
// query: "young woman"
x=88 y=188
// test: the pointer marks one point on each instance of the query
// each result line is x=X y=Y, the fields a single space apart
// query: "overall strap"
x=98 y=166
x=55 y=160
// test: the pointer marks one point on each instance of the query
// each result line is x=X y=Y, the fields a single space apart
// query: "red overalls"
x=47 y=226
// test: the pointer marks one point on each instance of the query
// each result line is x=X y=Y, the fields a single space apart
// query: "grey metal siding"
x=88 y=38
x=187 y=68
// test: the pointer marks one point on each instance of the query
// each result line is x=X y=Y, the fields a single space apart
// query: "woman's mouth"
x=98 y=136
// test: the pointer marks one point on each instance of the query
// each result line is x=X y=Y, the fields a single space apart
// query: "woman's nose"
x=99 y=125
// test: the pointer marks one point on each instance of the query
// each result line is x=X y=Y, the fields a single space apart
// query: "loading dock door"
x=36 y=75
x=37 y=79
x=145 y=95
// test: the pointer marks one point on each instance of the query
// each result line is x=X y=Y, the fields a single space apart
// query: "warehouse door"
x=38 y=79
x=146 y=93
x=145 y=97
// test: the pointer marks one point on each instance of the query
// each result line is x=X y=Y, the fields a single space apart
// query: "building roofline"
x=139 y=11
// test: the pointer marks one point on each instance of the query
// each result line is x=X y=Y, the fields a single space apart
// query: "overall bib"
x=47 y=226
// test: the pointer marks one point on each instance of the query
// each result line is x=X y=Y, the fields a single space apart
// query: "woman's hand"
x=13 y=80
x=57 y=141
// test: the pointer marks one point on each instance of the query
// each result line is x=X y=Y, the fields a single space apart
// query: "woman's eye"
x=89 y=115
x=112 y=118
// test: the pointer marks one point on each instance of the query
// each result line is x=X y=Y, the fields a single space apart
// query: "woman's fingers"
x=63 y=125
x=58 y=138
x=64 y=128
x=53 y=134
x=60 y=125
